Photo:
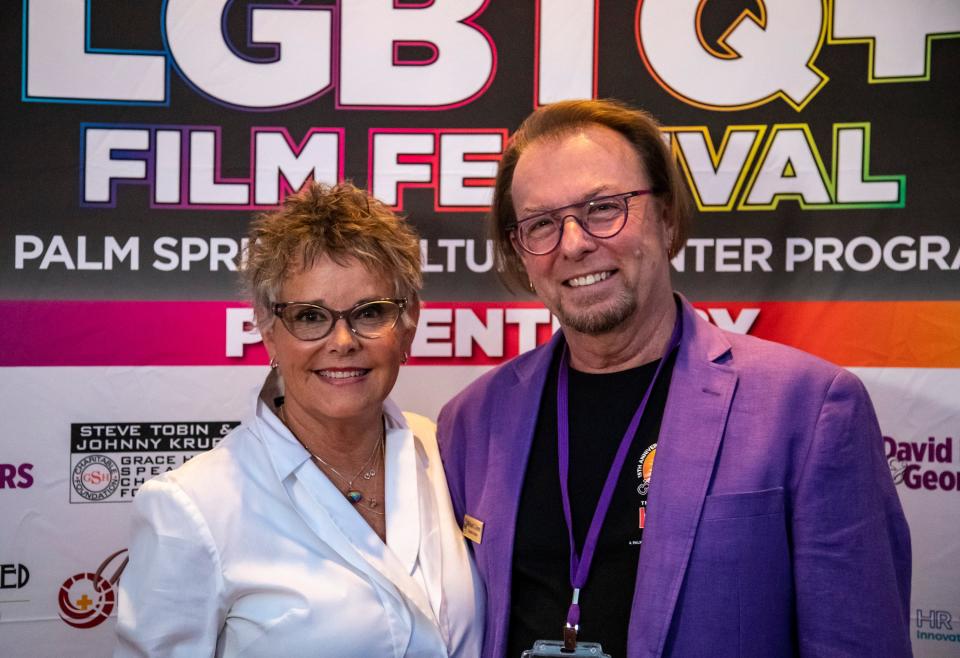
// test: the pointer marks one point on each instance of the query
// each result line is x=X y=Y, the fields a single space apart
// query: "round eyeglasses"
x=309 y=321
x=601 y=217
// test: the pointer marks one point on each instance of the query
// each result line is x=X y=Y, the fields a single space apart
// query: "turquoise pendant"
x=354 y=496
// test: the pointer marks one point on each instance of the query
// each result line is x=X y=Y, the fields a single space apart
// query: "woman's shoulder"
x=421 y=426
x=424 y=434
x=214 y=492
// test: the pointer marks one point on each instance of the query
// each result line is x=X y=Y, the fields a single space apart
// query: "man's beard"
x=600 y=321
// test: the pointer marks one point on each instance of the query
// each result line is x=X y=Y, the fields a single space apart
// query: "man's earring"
x=404 y=357
x=274 y=364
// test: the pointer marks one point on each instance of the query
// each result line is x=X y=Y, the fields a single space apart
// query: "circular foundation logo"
x=96 y=477
x=87 y=599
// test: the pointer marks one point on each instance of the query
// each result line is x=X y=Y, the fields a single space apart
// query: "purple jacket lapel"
x=701 y=390
x=512 y=430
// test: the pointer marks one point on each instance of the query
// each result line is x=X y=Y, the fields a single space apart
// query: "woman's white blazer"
x=249 y=550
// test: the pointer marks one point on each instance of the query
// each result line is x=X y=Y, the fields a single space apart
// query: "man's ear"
x=521 y=254
x=517 y=249
x=669 y=228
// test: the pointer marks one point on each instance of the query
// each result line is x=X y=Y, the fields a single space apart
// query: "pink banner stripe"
x=185 y=333
x=118 y=333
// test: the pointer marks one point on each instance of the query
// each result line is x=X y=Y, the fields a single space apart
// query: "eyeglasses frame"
x=514 y=229
x=344 y=315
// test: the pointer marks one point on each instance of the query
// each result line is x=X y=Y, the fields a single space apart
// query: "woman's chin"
x=338 y=403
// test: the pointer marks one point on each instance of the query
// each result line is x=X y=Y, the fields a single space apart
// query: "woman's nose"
x=341 y=337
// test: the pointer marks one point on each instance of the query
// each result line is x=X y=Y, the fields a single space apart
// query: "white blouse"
x=249 y=550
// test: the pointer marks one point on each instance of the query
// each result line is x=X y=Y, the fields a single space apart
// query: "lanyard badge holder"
x=546 y=648
x=580 y=564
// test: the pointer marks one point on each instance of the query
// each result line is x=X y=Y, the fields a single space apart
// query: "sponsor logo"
x=87 y=599
x=936 y=625
x=16 y=476
x=923 y=464
x=109 y=461
x=14 y=576
x=96 y=477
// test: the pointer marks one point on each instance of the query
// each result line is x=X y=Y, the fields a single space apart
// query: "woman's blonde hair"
x=342 y=222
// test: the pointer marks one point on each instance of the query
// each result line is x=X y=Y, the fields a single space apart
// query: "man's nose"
x=573 y=238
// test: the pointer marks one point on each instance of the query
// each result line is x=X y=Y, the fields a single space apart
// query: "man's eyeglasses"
x=371 y=319
x=602 y=217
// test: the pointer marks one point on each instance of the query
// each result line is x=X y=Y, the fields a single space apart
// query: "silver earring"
x=274 y=364
x=404 y=357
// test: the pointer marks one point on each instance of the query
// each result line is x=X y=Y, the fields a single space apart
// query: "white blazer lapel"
x=335 y=521
x=316 y=500
x=405 y=523
x=403 y=495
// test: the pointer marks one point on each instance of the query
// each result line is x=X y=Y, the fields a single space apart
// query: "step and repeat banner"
x=818 y=139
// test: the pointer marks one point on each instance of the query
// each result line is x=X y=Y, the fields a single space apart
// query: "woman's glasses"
x=308 y=321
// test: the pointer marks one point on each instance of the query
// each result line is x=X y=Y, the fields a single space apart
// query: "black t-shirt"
x=600 y=409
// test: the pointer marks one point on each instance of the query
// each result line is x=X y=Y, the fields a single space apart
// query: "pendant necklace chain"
x=366 y=472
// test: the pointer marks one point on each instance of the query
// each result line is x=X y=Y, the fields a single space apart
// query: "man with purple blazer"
x=769 y=524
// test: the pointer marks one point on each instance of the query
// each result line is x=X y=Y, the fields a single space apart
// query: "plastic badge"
x=545 y=648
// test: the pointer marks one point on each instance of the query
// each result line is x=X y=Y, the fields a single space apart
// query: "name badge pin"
x=472 y=528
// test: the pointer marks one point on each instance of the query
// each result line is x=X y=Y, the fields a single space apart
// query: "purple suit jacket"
x=773 y=527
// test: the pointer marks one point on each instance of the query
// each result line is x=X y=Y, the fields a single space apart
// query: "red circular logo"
x=86 y=600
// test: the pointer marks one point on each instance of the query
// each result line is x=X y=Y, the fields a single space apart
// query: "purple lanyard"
x=580 y=564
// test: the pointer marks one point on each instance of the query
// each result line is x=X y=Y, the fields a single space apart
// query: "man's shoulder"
x=766 y=361
x=754 y=359
x=760 y=352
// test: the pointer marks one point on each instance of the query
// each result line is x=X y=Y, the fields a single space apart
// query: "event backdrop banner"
x=818 y=140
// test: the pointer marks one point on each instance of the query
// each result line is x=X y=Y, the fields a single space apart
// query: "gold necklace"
x=353 y=494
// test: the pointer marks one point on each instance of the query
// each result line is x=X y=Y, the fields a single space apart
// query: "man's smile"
x=589 y=279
